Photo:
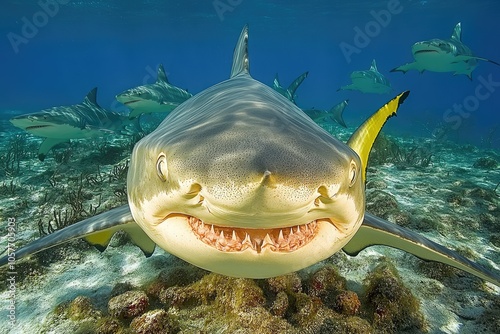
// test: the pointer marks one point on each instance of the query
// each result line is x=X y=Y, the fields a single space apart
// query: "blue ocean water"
x=54 y=51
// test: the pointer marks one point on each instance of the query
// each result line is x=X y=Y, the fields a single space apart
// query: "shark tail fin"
x=337 y=112
x=296 y=83
x=362 y=140
x=374 y=66
x=376 y=231
x=161 y=77
x=240 y=57
x=457 y=32
x=91 y=97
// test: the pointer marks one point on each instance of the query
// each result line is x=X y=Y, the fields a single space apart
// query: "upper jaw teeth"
x=229 y=239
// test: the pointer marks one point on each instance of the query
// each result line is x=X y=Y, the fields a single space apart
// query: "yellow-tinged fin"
x=362 y=140
x=100 y=240
x=376 y=231
x=98 y=230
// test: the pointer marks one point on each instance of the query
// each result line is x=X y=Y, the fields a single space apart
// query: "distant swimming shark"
x=370 y=81
x=443 y=55
x=152 y=98
x=324 y=116
x=289 y=93
x=84 y=120
x=239 y=181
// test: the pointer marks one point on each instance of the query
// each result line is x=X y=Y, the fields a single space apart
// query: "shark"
x=239 y=181
x=84 y=120
x=369 y=81
x=328 y=116
x=160 y=97
x=289 y=92
x=443 y=55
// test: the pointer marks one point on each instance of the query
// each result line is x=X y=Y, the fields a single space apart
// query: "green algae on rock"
x=155 y=321
x=392 y=306
x=129 y=304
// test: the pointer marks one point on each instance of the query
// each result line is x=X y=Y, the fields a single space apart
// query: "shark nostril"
x=324 y=197
x=194 y=190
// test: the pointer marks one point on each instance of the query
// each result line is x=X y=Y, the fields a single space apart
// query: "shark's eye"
x=161 y=167
x=353 y=173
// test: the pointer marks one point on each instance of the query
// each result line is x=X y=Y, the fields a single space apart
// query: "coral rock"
x=156 y=321
x=347 y=303
x=393 y=306
x=280 y=304
x=326 y=283
x=128 y=305
x=287 y=283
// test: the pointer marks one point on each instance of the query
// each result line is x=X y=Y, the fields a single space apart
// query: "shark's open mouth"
x=36 y=127
x=130 y=102
x=228 y=239
x=425 y=51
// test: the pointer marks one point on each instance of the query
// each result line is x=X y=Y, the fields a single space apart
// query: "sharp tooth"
x=247 y=240
x=298 y=229
x=212 y=229
x=280 y=237
x=307 y=227
x=291 y=231
x=267 y=241
x=234 y=236
x=221 y=241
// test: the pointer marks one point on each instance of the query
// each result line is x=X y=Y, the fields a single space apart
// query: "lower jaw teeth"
x=237 y=239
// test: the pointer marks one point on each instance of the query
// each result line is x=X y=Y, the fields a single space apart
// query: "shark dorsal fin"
x=240 y=57
x=161 y=77
x=337 y=112
x=91 y=97
x=363 y=138
x=276 y=82
x=296 y=83
x=457 y=32
x=374 y=66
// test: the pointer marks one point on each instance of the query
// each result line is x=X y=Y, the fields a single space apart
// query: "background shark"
x=158 y=97
x=443 y=55
x=370 y=81
x=289 y=93
x=328 y=116
x=83 y=120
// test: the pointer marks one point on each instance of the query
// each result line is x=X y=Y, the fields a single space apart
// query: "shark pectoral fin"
x=362 y=140
x=135 y=113
x=376 y=231
x=406 y=67
x=100 y=240
x=466 y=58
x=113 y=219
x=47 y=145
x=140 y=239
